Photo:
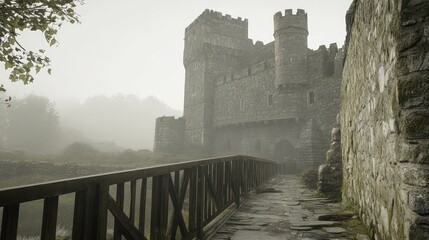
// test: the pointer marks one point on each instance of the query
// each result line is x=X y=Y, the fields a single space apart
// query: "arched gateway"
x=285 y=153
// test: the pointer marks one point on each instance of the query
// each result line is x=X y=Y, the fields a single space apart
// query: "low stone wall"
x=385 y=117
x=10 y=169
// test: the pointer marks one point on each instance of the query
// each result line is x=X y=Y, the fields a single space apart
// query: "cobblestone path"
x=290 y=214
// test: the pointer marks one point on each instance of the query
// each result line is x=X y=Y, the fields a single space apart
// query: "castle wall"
x=385 y=117
x=324 y=70
x=231 y=81
x=250 y=95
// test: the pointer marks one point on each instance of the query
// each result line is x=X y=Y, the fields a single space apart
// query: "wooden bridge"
x=186 y=200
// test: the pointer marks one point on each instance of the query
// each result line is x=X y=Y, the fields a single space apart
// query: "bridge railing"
x=175 y=201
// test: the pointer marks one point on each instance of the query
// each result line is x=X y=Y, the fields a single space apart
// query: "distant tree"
x=80 y=152
x=32 y=124
x=16 y=16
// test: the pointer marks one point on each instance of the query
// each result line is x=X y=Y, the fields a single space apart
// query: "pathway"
x=286 y=211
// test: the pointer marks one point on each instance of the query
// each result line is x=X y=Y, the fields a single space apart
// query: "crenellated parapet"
x=328 y=59
x=208 y=15
x=291 y=21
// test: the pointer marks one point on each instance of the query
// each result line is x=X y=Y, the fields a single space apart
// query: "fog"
x=135 y=49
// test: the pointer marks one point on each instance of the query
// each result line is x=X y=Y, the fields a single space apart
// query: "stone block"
x=419 y=229
x=416 y=176
x=419 y=202
x=336 y=134
x=413 y=91
x=415 y=124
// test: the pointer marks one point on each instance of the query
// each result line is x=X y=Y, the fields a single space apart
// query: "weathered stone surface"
x=334 y=230
x=419 y=202
x=292 y=221
x=384 y=116
x=315 y=224
x=300 y=228
x=330 y=175
x=361 y=236
x=335 y=217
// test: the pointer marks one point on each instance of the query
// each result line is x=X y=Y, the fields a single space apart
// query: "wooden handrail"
x=209 y=185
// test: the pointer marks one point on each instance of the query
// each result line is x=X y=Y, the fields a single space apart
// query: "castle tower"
x=213 y=44
x=169 y=135
x=291 y=47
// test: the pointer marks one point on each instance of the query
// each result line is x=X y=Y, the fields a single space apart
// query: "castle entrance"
x=285 y=153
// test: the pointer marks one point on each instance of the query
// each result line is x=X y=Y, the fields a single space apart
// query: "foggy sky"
x=136 y=46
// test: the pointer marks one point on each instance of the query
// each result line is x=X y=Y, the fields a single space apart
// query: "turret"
x=291 y=47
x=169 y=134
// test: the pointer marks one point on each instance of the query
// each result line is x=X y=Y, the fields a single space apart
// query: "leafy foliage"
x=16 y=16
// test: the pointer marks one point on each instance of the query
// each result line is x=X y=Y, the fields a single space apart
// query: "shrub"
x=310 y=178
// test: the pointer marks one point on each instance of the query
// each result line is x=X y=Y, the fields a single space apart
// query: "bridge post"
x=200 y=199
x=159 y=214
x=96 y=212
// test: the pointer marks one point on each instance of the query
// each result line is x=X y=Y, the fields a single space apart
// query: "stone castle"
x=277 y=101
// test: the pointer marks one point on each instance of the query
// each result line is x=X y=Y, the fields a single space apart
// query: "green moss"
x=355 y=225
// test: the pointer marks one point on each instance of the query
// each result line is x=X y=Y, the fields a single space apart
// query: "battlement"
x=211 y=15
x=169 y=119
x=332 y=49
x=289 y=12
x=291 y=20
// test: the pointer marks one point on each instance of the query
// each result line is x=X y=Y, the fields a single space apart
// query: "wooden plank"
x=211 y=190
x=123 y=222
x=49 y=222
x=177 y=181
x=177 y=211
x=163 y=226
x=200 y=207
x=154 y=222
x=221 y=183
x=96 y=212
x=159 y=216
x=102 y=195
x=182 y=191
x=78 y=231
x=205 y=194
x=120 y=189
x=133 y=187
x=9 y=226
x=227 y=189
x=192 y=199
x=142 y=210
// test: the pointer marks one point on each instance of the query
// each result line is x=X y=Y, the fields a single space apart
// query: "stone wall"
x=385 y=117
x=255 y=139
x=325 y=68
x=232 y=83
x=10 y=169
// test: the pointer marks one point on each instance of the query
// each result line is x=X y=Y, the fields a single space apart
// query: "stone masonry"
x=385 y=116
x=277 y=100
x=331 y=173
